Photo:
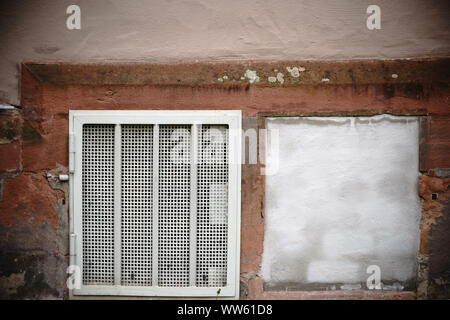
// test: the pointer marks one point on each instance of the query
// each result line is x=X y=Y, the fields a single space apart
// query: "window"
x=156 y=202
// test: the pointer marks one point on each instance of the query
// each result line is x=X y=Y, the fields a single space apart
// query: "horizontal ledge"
x=242 y=74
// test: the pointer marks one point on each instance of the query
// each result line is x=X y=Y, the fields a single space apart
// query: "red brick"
x=10 y=126
x=47 y=148
x=439 y=129
x=438 y=155
x=435 y=143
x=29 y=198
x=10 y=157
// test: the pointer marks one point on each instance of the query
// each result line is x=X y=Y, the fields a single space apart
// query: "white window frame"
x=232 y=118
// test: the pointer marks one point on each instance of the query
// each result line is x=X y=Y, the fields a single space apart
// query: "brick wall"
x=34 y=149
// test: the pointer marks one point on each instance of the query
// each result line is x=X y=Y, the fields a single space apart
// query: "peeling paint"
x=61 y=207
x=295 y=72
x=422 y=276
x=10 y=284
x=223 y=78
x=351 y=287
x=395 y=287
x=280 y=77
x=251 y=76
x=325 y=80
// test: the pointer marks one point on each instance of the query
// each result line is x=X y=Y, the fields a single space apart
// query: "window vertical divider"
x=117 y=203
x=155 y=216
x=193 y=207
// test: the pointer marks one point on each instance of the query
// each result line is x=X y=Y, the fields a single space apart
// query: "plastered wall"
x=343 y=196
x=216 y=30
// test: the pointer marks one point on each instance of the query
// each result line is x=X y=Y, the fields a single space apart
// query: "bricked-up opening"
x=344 y=199
x=159 y=210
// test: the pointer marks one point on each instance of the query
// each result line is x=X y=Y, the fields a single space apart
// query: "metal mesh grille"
x=174 y=205
x=98 y=204
x=137 y=204
x=212 y=206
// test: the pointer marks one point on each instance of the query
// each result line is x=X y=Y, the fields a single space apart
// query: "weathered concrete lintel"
x=419 y=71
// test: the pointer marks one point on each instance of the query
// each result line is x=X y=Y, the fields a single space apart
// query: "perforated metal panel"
x=154 y=213
x=212 y=207
x=98 y=204
x=174 y=205
x=137 y=205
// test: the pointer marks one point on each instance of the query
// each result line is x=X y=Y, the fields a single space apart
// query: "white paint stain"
x=295 y=72
x=223 y=78
x=280 y=77
x=325 y=79
x=394 y=75
x=272 y=79
x=251 y=76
